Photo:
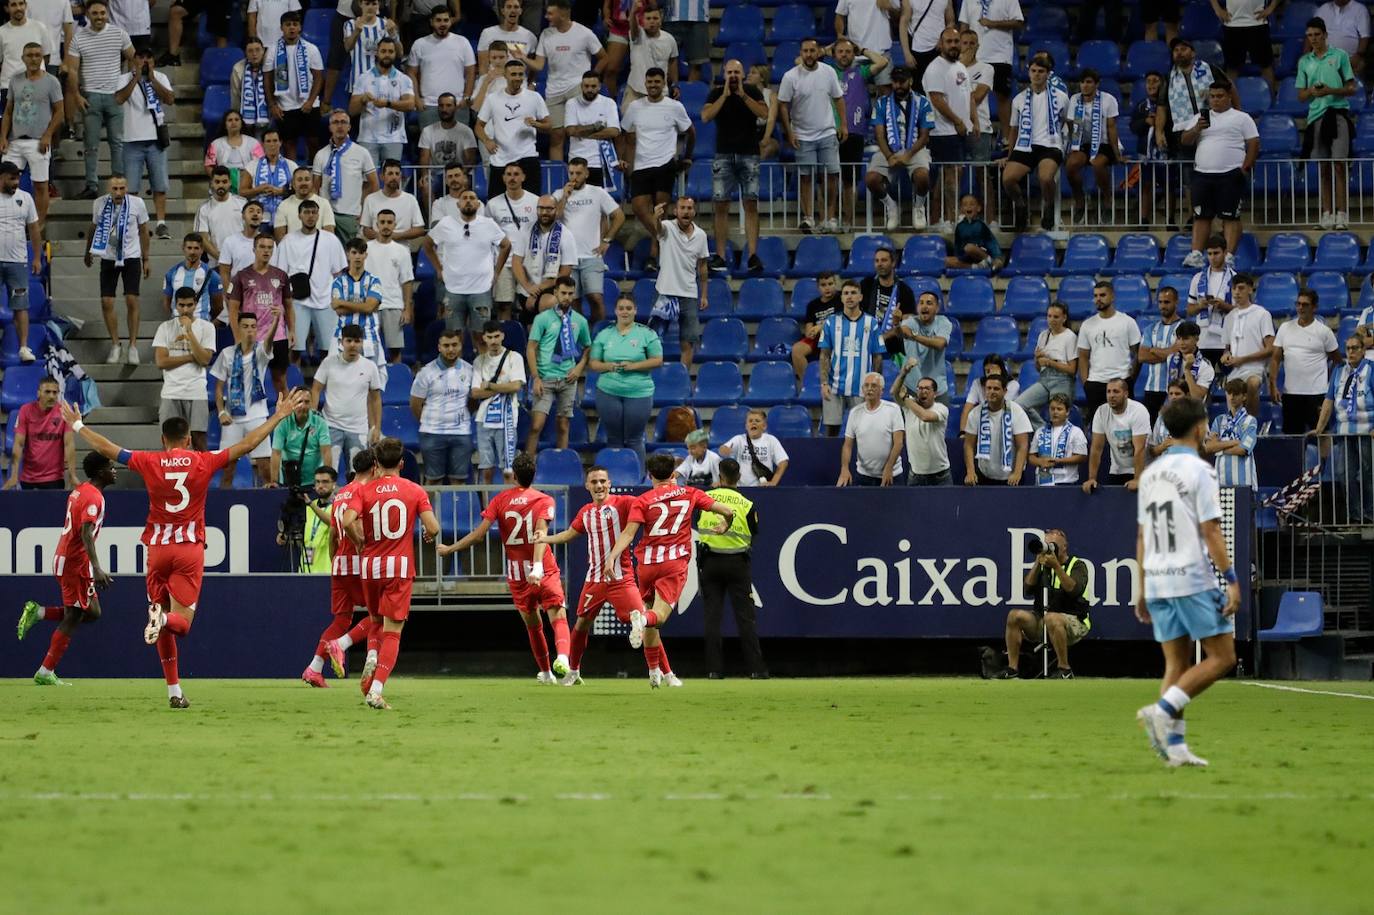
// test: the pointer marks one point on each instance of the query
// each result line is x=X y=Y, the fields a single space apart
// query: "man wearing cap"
x=18 y=222
x=1189 y=80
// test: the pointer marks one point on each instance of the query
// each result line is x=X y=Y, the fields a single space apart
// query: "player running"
x=382 y=524
x=664 y=554
x=521 y=515
x=75 y=567
x=1178 y=527
x=177 y=479
x=345 y=587
x=601 y=521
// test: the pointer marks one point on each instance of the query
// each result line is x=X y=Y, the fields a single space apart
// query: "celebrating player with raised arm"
x=1178 y=527
x=177 y=479
x=601 y=521
x=75 y=566
x=382 y=525
x=521 y=514
x=664 y=554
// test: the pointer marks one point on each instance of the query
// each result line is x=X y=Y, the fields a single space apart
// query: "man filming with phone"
x=1056 y=581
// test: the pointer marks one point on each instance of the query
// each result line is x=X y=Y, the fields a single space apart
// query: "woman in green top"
x=624 y=355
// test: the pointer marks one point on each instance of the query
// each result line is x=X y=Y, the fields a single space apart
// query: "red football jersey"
x=346 y=559
x=389 y=507
x=602 y=524
x=85 y=504
x=515 y=512
x=665 y=514
x=177 y=482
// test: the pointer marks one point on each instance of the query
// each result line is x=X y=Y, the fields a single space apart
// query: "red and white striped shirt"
x=390 y=506
x=85 y=505
x=665 y=515
x=516 y=512
x=602 y=524
x=346 y=559
x=177 y=482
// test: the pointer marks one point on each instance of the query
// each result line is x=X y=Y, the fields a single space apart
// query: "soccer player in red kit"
x=177 y=480
x=345 y=587
x=75 y=566
x=382 y=525
x=663 y=553
x=521 y=514
x=601 y=521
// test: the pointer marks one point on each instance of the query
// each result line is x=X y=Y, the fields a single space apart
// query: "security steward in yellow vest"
x=316 y=554
x=723 y=567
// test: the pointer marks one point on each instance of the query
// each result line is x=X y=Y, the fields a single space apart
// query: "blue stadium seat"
x=1176 y=249
x=216 y=65
x=1085 y=255
x=740 y=24
x=1278 y=294
x=558 y=467
x=622 y=464
x=718 y=383
x=759 y=297
x=726 y=423
x=661 y=422
x=399 y=422
x=1337 y=251
x=790 y=421
x=1058 y=50
x=1247 y=253
x=784 y=59
x=1077 y=293
x=1179 y=282
x=773 y=340
x=810 y=393
x=1209 y=50
x=861 y=254
x=970 y=298
x=773 y=253
x=793 y=22
x=644 y=294
x=213 y=109
x=815 y=254
x=771 y=383
x=1278 y=136
x=699 y=180
x=617 y=262
x=398 y=381
x=1301 y=615
x=577 y=431
x=1344 y=329
x=923 y=254
x=1026 y=297
x=1137 y=253
x=803 y=291
x=748 y=53
x=9 y=345
x=1131 y=295
x=1046 y=22
x=1292 y=22
x=315 y=28
x=20 y=385
x=1144 y=56
x=1199 y=23
x=672 y=384
x=1288 y=252
x=1332 y=289
x=1031 y=255
x=1102 y=56
x=1255 y=98
x=955 y=346
x=920 y=285
x=996 y=334
x=1288 y=102
x=693 y=98
x=1032 y=337
x=1028 y=374
x=722 y=339
x=1290 y=53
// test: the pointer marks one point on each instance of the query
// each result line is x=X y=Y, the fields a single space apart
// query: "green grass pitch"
x=894 y=795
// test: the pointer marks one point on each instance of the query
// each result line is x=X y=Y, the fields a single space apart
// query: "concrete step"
x=71 y=177
x=145 y=371
x=118 y=416
x=80 y=210
x=143 y=395
x=146 y=437
x=71 y=230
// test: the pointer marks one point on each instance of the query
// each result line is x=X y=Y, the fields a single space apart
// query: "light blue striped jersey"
x=202 y=278
x=365 y=287
x=853 y=344
x=1159 y=336
x=1352 y=399
x=364 y=53
x=688 y=10
x=1235 y=469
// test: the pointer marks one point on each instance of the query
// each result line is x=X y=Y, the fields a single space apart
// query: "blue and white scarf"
x=1230 y=425
x=609 y=160
x=100 y=243
x=897 y=140
x=1355 y=383
x=154 y=103
x=238 y=403
x=501 y=414
x=1026 y=128
x=302 y=67
x=1003 y=460
x=1052 y=446
x=276 y=175
x=253 y=103
x=1175 y=367
x=1096 y=132
x=551 y=253
x=568 y=347
x=335 y=168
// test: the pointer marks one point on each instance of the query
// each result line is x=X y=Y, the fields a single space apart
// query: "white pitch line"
x=1032 y=797
x=1312 y=692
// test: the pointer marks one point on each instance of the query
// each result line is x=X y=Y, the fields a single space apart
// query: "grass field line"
x=1311 y=692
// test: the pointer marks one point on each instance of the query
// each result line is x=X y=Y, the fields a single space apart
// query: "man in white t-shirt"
x=862 y=22
x=293 y=84
x=467 y=252
x=810 y=106
x=1121 y=425
x=118 y=235
x=1209 y=298
x=947 y=84
x=183 y=347
x=222 y=215
x=318 y=256
x=568 y=49
x=519 y=41
x=1305 y=349
x=594 y=218
x=650 y=48
x=441 y=62
x=997 y=438
x=873 y=438
x=592 y=123
x=20 y=30
x=545 y=251
x=681 y=283
x=513 y=209
x=410 y=222
x=498 y=374
x=353 y=408
x=345 y=172
x=264 y=21
x=756 y=449
x=19 y=235
x=455 y=182
x=1093 y=141
x=506 y=125
x=389 y=261
x=381 y=97
x=1107 y=346
x=1038 y=114
x=1249 y=333
x=919 y=29
x=651 y=130
x=1347 y=28
x=141 y=120
x=1227 y=147
x=925 y=420
x=241 y=383
x=995 y=23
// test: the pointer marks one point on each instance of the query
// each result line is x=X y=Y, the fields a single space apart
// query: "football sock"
x=578 y=647
x=177 y=624
x=386 y=659
x=1178 y=733
x=317 y=664
x=539 y=646
x=358 y=633
x=560 y=636
x=44 y=670
x=174 y=691
x=374 y=637
x=57 y=646
x=167 y=654
x=1174 y=701
x=651 y=656
x=650 y=618
x=52 y=614
x=663 y=664
x=338 y=628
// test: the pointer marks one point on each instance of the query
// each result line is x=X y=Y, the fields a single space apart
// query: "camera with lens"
x=1038 y=547
x=291 y=524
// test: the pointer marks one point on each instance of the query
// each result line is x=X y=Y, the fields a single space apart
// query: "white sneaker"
x=1342 y=221
x=670 y=679
x=655 y=678
x=133 y=354
x=636 y=628
x=156 y=620
x=944 y=228
x=116 y=354
x=572 y=679
x=831 y=226
x=894 y=214
x=1195 y=259
x=26 y=355
x=918 y=216
x=1157 y=724
x=561 y=666
x=546 y=677
x=805 y=225
x=1328 y=221
x=1180 y=755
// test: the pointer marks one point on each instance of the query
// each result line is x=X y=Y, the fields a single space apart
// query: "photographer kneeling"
x=1057 y=581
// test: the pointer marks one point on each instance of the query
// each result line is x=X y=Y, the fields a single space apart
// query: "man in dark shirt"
x=817 y=310
x=887 y=299
x=1057 y=583
x=737 y=108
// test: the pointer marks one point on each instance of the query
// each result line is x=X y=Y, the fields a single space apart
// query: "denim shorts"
x=824 y=152
x=491 y=448
x=732 y=172
x=138 y=152
x=15 y=277
x=467 y=310
x=591 y=276
x=1197 y=616
x=446 y=456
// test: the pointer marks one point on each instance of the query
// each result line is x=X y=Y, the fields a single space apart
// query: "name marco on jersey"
x=174 y=460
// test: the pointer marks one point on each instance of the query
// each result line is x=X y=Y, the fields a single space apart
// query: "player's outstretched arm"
x=476 y=534
x=727 y=513
x=98 y=442
x=564 y=536
x=430 y=525
x=285 y=407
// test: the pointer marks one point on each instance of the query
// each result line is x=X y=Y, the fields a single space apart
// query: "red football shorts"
x=531 y=598
x=621 y=595
x=388 y=597
x=77 y=588
x=175 y=571
x=345 y=594
x=667 y=579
